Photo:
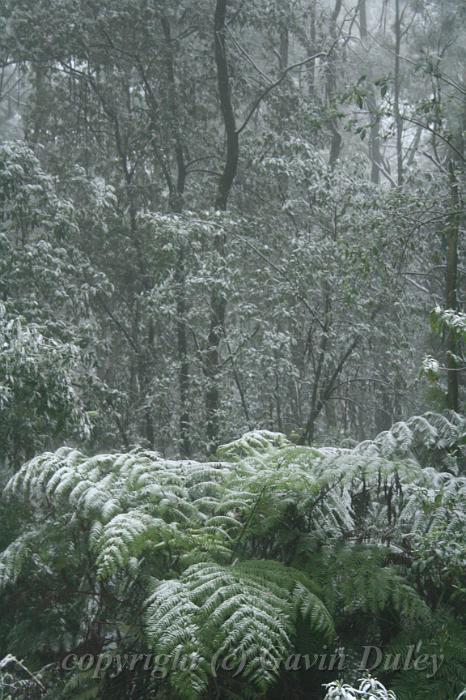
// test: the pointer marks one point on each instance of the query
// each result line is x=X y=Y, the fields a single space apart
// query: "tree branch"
x=270 y=87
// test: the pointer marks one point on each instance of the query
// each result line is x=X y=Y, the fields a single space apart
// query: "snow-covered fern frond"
x=251 y=444
x=14 y=557
x=420 y=437
x=248 y=610
x=357 y=579
x=236 y=556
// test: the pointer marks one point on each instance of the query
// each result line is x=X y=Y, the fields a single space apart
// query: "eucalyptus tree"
x=179 y=110
x=47 y=326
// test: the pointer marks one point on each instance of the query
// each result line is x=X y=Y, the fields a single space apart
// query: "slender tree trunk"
x=223 y=82
x=284 y=107
x=456 y=179
x=312 y=48
x=451 y=296
x=337 y=141
x=35 y=127
x=182 y=351
x=316 y=403
x=284 y=47
x=324 y=392
x=374 y=135
x=374 y=139
x=176 y=206
x=225 y=182
x=362 y=11
x=396 y=104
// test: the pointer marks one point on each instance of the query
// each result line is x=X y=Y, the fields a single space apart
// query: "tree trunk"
x=374 y=137
x=223 y=81
x=337 y=141
x=396 y=105
x=451 y=297
x=362 y=11
x=312 y=49
x=225 y=182
x=176 y=205
x=284 y=47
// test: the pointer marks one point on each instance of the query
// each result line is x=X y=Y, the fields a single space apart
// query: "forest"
x=232 y=350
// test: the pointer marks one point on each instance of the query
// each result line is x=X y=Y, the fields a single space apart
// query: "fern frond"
x=249 y=609
x=252 y=444
x=14 y=557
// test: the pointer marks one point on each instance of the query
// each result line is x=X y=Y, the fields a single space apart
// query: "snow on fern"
x=215 y=549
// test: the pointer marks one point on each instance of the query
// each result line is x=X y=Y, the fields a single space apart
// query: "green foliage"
x=315 y=260
x=249 y=609
x=445 y=636
x=38 y=400
x=135 y=317
x=448 y=319
x=233 y=559
x=253 y=443
x=48 y=379
x=446 y=322
x=360 y=579
x=28 y=198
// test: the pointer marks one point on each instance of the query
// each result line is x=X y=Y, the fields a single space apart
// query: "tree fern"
x=130 y=551
x=248 y=609
x=445 y=637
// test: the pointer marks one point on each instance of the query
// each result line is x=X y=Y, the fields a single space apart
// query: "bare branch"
x=270 y=87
